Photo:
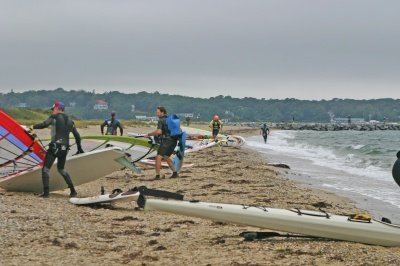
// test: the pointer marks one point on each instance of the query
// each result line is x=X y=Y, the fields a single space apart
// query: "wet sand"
x=52 y=231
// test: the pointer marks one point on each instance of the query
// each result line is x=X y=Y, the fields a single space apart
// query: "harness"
x=112 y=127
x=165 y=131
x=216 y=125
x=58 y=144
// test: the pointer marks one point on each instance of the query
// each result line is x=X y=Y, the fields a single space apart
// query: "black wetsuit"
x=265 y=132
x=61 y=126
x=112 y=125
x=168 y=143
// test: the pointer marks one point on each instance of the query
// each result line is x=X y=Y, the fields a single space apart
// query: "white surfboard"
x=225 y=140
x=130 y=195
x=83 y=168
x=233 y=141
x=135 y=151
x=197 y=145
x=195 y=131
x=310 y=223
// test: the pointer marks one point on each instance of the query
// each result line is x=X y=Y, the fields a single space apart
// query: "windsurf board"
x=313 y=223
x=83 y=168
x=117 y=195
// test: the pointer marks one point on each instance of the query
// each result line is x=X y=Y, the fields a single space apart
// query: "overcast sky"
x=309 y=49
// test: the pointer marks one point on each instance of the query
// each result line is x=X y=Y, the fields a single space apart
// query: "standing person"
x=112 y=125
x=61 y=126
x=216 y=126
x=167 y=143
x=264 y=131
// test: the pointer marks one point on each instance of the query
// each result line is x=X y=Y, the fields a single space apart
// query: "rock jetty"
x=335 y=127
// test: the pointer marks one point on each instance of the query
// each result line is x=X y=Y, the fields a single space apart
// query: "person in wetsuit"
x=264 y=131
x=112 y=125
x=61 y=125
x=167 y=143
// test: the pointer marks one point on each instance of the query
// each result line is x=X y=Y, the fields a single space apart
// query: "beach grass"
x=28 y=116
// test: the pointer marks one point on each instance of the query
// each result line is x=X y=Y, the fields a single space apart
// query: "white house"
x=22 y=105
x=348 y=120
x=146 y=118
x=191 y=115
x=100 y=105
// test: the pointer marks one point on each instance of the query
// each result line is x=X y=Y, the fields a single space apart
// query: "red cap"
x=59 y=105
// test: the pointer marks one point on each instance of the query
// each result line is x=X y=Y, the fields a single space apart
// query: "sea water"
x=355 y=164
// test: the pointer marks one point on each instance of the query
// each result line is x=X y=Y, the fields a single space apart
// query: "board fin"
x=126 y=163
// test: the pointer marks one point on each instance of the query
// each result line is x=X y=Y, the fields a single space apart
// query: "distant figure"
x=112 y=124
x=61 y=126
x=216 y=126
x=167 y=143
x=264 y=131
x=187 y=121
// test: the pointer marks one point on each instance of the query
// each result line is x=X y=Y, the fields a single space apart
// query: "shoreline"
x=53 y=231
x=321 y=175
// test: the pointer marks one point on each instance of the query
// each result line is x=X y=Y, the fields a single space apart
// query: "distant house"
x=227 y=112
x=357 y=120
x=22 y=105
x=347 y=120
x=132 y=108
x=100 y=105
x=146 y=118
x=72 y=104
x=191 y=115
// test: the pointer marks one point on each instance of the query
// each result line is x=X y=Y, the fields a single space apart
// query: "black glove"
x=398 y=154
x=79 y=150
x=30 y=131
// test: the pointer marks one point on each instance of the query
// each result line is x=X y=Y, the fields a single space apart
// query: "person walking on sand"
x=264 y=131
x=216 y=126
x=167 y=143
x=112 y=125
x=61 y=126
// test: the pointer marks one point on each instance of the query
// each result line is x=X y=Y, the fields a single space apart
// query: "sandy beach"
x=52 y=231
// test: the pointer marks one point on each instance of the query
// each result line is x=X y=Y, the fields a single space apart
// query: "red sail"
x=17 y=135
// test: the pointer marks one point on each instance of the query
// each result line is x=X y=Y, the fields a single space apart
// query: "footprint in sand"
x=159 y=248
x=208 y=186
x=184 y=222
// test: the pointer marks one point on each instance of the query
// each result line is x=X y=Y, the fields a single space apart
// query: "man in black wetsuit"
x=264 y=131
x=167 y=145
x=61 y=126
x=112 y=125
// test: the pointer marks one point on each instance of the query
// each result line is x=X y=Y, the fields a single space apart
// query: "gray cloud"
x=272 y=49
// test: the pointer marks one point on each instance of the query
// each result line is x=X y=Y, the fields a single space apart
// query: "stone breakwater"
x=335 y=127
x=246 y=126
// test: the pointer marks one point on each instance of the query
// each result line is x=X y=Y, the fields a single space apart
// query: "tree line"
x=81 y=103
